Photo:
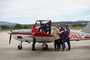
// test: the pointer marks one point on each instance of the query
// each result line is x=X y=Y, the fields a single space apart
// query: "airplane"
x=44 y=38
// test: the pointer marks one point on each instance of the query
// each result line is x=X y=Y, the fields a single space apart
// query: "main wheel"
x=19 y=47
x=46 y=48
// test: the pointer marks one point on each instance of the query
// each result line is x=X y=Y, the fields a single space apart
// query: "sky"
x=28 y=11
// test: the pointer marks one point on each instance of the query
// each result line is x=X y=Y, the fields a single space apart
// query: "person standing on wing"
x=45 y=27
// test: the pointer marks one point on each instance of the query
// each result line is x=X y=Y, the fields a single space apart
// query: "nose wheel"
x=20 y=46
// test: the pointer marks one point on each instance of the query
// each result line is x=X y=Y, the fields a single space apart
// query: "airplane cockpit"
x=40 y=23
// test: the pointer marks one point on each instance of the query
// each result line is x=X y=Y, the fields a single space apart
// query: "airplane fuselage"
x=26 y=35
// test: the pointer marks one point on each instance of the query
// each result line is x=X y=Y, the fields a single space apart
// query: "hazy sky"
x=28 y=11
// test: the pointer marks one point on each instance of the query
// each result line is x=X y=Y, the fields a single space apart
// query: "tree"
x=26 y=27
x=5 y=27
x=18 y=26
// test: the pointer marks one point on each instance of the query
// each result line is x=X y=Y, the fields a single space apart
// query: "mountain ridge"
x=71 y=22
x=7 y=23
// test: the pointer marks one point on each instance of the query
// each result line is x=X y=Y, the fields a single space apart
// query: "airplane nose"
x=9 y=32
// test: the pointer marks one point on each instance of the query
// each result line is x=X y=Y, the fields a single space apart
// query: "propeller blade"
x=10 y=37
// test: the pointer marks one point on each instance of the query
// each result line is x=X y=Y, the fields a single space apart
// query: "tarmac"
x=80 y=50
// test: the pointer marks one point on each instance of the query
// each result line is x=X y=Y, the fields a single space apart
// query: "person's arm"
x=35 y=23
x=43 y=27
x=59 y=32
x=34 y=31
x=52 y=33
x=68 y=31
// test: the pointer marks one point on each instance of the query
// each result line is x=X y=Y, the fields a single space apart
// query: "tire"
x=19 y=47
x=46 y=48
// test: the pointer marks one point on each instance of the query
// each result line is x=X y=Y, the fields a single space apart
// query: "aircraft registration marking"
x=77 y=36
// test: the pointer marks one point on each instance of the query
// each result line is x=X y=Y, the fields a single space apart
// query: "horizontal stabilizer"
x=86 y=29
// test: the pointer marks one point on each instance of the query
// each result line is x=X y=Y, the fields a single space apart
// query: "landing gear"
x=45 y=46
x=20 y=46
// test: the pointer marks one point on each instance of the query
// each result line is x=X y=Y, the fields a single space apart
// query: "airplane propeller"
x=10 y=37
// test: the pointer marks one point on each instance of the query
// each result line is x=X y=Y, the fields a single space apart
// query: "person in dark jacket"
x=68 y=37
x=62 y=38
x=45 y=27
x=34 y=30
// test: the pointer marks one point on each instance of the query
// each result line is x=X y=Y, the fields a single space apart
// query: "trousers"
x=33 y=45
x=68 y=42
x=56 y=44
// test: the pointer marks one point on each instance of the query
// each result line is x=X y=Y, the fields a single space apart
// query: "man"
x=68 y=37
x=45 y=27
x=62 y=38
x=34 y=30
x=57 y=37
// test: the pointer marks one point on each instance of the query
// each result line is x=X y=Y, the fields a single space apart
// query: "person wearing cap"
x=56 y=33
x=68 y=36
x=34 y=30
x=45 y=27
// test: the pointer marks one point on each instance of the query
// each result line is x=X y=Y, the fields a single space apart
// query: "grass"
x=76 y=28
x=5 y=30
x=9 y=29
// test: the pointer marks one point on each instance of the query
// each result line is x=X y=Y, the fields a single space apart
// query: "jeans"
x=63 y=45
x=45 y=31
x=68 y=42
x=60 y=43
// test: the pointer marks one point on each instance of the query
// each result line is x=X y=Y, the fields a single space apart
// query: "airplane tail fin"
x=86 y=29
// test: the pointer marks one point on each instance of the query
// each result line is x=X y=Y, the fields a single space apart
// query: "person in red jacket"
x=34 y=30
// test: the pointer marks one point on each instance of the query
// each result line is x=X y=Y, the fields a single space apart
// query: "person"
x=45 y=27
x=68 y=37
x=57 y=37
x=62 y=38
x=34 y=30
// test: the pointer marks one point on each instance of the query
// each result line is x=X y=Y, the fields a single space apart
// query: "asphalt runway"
x=80 y=50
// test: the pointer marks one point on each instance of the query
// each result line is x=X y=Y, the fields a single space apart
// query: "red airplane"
x=44 y=38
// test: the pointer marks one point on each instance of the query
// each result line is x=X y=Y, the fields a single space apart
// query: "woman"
x=57 y=37
x=63 y=38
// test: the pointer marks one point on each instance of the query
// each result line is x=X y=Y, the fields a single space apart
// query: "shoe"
x=57 y=49
x=33 y=49
x=68 y=50
x=63 y=50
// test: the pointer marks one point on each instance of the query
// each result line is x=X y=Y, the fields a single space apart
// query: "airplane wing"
x=43 y=37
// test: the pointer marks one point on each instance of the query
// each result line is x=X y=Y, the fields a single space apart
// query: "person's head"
x=62 y=28
x=34 y=27
x=67 y=26
x=47 y=23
